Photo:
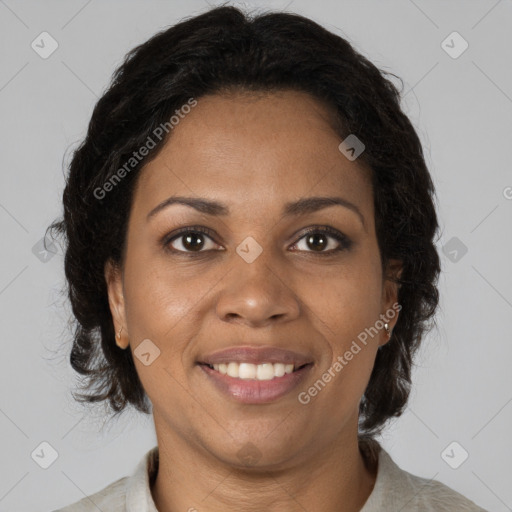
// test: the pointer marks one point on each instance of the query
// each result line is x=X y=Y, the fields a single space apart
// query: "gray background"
x=462 y=109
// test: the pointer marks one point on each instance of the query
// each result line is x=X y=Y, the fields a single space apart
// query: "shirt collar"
x=140 y=499
x=138 y=485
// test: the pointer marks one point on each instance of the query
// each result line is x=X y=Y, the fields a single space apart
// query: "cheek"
x=348 y=301
x=159 y=307
x=164 y=304
x=347 y=314
x=157 y=296
x=346 y=309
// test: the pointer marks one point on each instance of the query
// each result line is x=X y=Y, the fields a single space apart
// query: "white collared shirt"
x=394 y=490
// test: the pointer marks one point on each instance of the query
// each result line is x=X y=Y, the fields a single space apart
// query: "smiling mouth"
x=250 y=371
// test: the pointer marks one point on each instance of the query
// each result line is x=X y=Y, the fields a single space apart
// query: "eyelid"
x=170 y=237
x=343 y=241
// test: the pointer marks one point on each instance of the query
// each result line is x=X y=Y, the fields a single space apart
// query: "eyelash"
x=344 y=242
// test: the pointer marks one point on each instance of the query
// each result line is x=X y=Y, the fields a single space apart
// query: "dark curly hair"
x=222 y=50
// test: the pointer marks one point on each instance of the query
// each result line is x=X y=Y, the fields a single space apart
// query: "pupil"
x=193 y=242
x=316 y=237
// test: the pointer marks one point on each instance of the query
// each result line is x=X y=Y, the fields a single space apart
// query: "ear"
x=114 y=280
x=389 y=303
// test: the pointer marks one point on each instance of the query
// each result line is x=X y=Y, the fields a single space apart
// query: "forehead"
x=243 y=147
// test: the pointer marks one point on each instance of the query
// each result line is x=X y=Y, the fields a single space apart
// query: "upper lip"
x=256 y=355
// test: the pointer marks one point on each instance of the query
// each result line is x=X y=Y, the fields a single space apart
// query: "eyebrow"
x=301 y=207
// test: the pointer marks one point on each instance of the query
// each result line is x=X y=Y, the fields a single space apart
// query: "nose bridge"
x=255 y=290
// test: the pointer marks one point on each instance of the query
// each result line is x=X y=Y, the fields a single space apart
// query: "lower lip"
x=251 y=391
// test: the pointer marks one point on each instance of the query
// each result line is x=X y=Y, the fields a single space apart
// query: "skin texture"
x=253 y=153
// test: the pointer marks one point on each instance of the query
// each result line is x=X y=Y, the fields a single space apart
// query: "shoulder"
x=111 y=498
x=431 y=495
x=396 y=489
x=131 y=492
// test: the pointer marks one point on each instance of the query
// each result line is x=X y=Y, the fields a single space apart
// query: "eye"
x=190 y=240
x=317 y=239
x=322 y=240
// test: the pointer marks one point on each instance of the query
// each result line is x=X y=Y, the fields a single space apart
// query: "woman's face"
x=253 y=279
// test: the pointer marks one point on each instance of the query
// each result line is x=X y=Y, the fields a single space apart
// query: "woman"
x=250 y=257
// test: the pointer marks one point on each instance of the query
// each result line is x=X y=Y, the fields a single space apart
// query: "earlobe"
x=113 y=279
x=120 y=341
x=387 y=329
x=390 y=305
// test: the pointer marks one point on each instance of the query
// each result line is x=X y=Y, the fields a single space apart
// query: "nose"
x=257 y=294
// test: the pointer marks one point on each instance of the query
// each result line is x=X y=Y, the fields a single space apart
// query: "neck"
x=190 y=478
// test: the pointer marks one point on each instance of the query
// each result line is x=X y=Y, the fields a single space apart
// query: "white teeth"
x=247 y=371
x=265 y=371
x=279 y=369
x=232 y=369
